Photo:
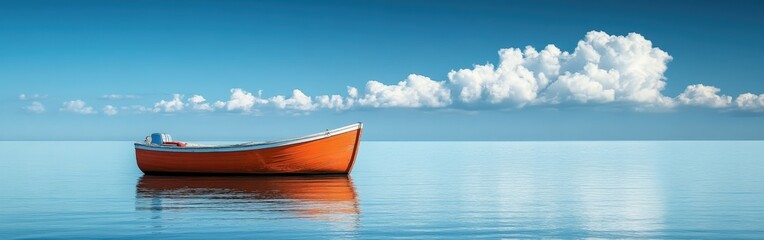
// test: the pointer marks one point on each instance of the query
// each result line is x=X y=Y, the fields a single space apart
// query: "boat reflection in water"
x=325 y=198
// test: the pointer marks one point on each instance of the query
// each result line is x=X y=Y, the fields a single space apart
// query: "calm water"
x=398 y=189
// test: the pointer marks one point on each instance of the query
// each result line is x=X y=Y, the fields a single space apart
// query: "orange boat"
x=329 y=152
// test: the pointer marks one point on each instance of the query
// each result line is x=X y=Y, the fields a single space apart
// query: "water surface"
x=641 y=189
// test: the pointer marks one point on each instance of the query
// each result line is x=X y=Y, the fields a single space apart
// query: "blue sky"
x=618 y=70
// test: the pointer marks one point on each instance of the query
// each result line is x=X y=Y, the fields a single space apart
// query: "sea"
x=403 y=190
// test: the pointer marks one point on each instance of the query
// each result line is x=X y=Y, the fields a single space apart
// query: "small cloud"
x=352 y=92
x=704 y=96
x=140 y=109
x=119 y=96
x=334 y=102
x=241 y=101
x=198 y=103
x=750 y=102
x=298 y=101
x=337 y=102
x=35 y=107
x=110 y=110
x=32 y=97
x=174 y=105
x=77 y=106
x=218 y=104
x=415 y=91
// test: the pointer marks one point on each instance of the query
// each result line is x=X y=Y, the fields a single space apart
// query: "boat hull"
x=333 y=154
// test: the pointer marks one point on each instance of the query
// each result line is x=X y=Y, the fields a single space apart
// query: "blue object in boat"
x=159 y=138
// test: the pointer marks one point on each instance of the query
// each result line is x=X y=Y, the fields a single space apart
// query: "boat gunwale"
x=251 y=145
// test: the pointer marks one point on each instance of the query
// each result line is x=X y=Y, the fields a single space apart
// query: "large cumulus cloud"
x=602 y=68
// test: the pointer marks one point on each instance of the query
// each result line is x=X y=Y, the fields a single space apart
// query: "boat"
x=328 y=152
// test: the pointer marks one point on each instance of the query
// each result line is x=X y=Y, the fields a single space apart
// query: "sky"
x=409 y=70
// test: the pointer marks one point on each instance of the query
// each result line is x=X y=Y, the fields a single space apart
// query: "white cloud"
x=602 y=68
x=32 y=96
x=298 y=101
x=591 y=85
x=35 y=107
x=174 y=105
x=140 y=109
x=110 y=110
x=511 y=82
x=352 y=92
x=332 y=102
x=415 y=91
x=705 y=96
x=198 y=103
x=119 y=96
x=635 y=65
x=219 y=104
x=241 y=100
x=750 y=102
x=196 y=99
x=337 y=102
x=77 y=106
